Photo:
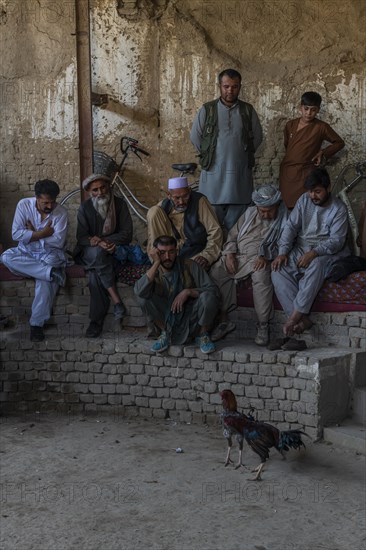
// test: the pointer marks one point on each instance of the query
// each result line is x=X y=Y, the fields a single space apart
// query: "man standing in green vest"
x=226 y=132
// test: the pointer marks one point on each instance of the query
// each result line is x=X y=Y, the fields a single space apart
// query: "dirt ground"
x=107 y=483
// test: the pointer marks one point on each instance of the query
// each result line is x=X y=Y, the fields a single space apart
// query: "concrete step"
x=360 y=369
x=359 y=405
x=349 y=435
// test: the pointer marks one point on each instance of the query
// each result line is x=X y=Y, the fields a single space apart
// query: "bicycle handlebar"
x=140 y=151
x=132 y=144
x=341 y=184
x=361 y=168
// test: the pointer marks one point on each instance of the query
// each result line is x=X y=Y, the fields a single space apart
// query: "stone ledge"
x=348 y=436
x=71 y=310
x=307 y=390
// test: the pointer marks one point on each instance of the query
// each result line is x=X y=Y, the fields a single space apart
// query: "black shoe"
x=119 y=311
x=294 y=345
x=36 y=334
x=94 y=330
x=58 y=276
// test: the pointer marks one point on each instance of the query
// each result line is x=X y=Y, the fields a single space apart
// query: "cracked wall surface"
x=158 y=61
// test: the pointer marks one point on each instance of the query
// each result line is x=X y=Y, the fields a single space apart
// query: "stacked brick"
x=72 y=307
x=121 y=376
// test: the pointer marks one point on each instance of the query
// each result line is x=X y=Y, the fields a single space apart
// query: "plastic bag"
x=131 y=254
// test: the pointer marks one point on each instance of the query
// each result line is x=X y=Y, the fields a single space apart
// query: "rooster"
x=260 y=436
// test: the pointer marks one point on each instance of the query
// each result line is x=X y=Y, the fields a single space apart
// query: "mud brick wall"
x=306 y=390
x=346 y=329
x=156 y=86
x=71 y=305
x=71 y=315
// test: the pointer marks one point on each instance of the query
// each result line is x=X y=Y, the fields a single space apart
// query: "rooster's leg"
x=259 y=470
x=240 y=456
x=228 y=459
x=229 y=445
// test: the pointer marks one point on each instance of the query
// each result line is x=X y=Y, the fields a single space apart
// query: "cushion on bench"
x=127 y=274
x=346 y=295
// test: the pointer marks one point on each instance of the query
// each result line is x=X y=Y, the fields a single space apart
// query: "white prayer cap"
x=94 y=177
x=266 y=195
x=177 y=183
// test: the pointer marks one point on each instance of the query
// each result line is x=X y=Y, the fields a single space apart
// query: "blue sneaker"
x=205 y=344
x=161 y=344
x=119 y=311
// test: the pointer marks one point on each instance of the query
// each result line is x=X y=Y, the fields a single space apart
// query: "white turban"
x=94 y=177
x=178 y=183
x=266 y=195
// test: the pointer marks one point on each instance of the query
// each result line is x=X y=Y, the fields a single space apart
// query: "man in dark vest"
x=103 y=222
x=187 y=216
x=226 y=132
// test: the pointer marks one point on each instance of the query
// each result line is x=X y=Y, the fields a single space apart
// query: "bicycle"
x=106 y=165
x=342 y=190
x=184 y=169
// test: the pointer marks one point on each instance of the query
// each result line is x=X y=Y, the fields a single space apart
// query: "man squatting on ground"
x=40 y=227
x=178 y=296
x=189 y=217
x=313 y=238
x=103 y=222
x=248 y=251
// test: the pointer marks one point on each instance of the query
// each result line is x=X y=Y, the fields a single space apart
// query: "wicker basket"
x=104 y=164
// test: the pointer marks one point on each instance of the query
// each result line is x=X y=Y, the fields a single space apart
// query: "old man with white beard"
x=103 y=222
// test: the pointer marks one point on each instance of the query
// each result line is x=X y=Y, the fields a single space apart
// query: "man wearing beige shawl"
x=248 y=251
x=103 y=222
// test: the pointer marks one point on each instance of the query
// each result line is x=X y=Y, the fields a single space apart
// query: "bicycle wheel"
x=71 y=202
x=353 y=177
x=345 y=175
x=138 y=217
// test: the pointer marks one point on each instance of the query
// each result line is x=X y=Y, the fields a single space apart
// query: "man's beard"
x=321 y=202
x=168 y=264
x=180 y=208
x=101 y=205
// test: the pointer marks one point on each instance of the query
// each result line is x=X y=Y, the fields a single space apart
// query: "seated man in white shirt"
x=313 y=239
x=40 y=227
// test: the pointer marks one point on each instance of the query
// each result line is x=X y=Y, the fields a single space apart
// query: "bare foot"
x=292 y=321
x=304 y=324
x=289 y=328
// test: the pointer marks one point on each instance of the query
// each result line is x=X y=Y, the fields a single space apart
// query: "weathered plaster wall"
x=158 y=61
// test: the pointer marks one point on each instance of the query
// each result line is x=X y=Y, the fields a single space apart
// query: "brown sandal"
x=277 y=344
x=222 y=330
x=294 y=345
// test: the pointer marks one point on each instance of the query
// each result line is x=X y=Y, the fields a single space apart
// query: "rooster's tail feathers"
x=291 y=439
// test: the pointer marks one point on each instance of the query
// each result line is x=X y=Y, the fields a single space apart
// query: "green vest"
x=210 y=132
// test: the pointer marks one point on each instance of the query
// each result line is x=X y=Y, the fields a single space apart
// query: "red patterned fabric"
x=129 y=274
x=6 y=275
x=346 y=295
x=75 y=271
x=351 y=290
